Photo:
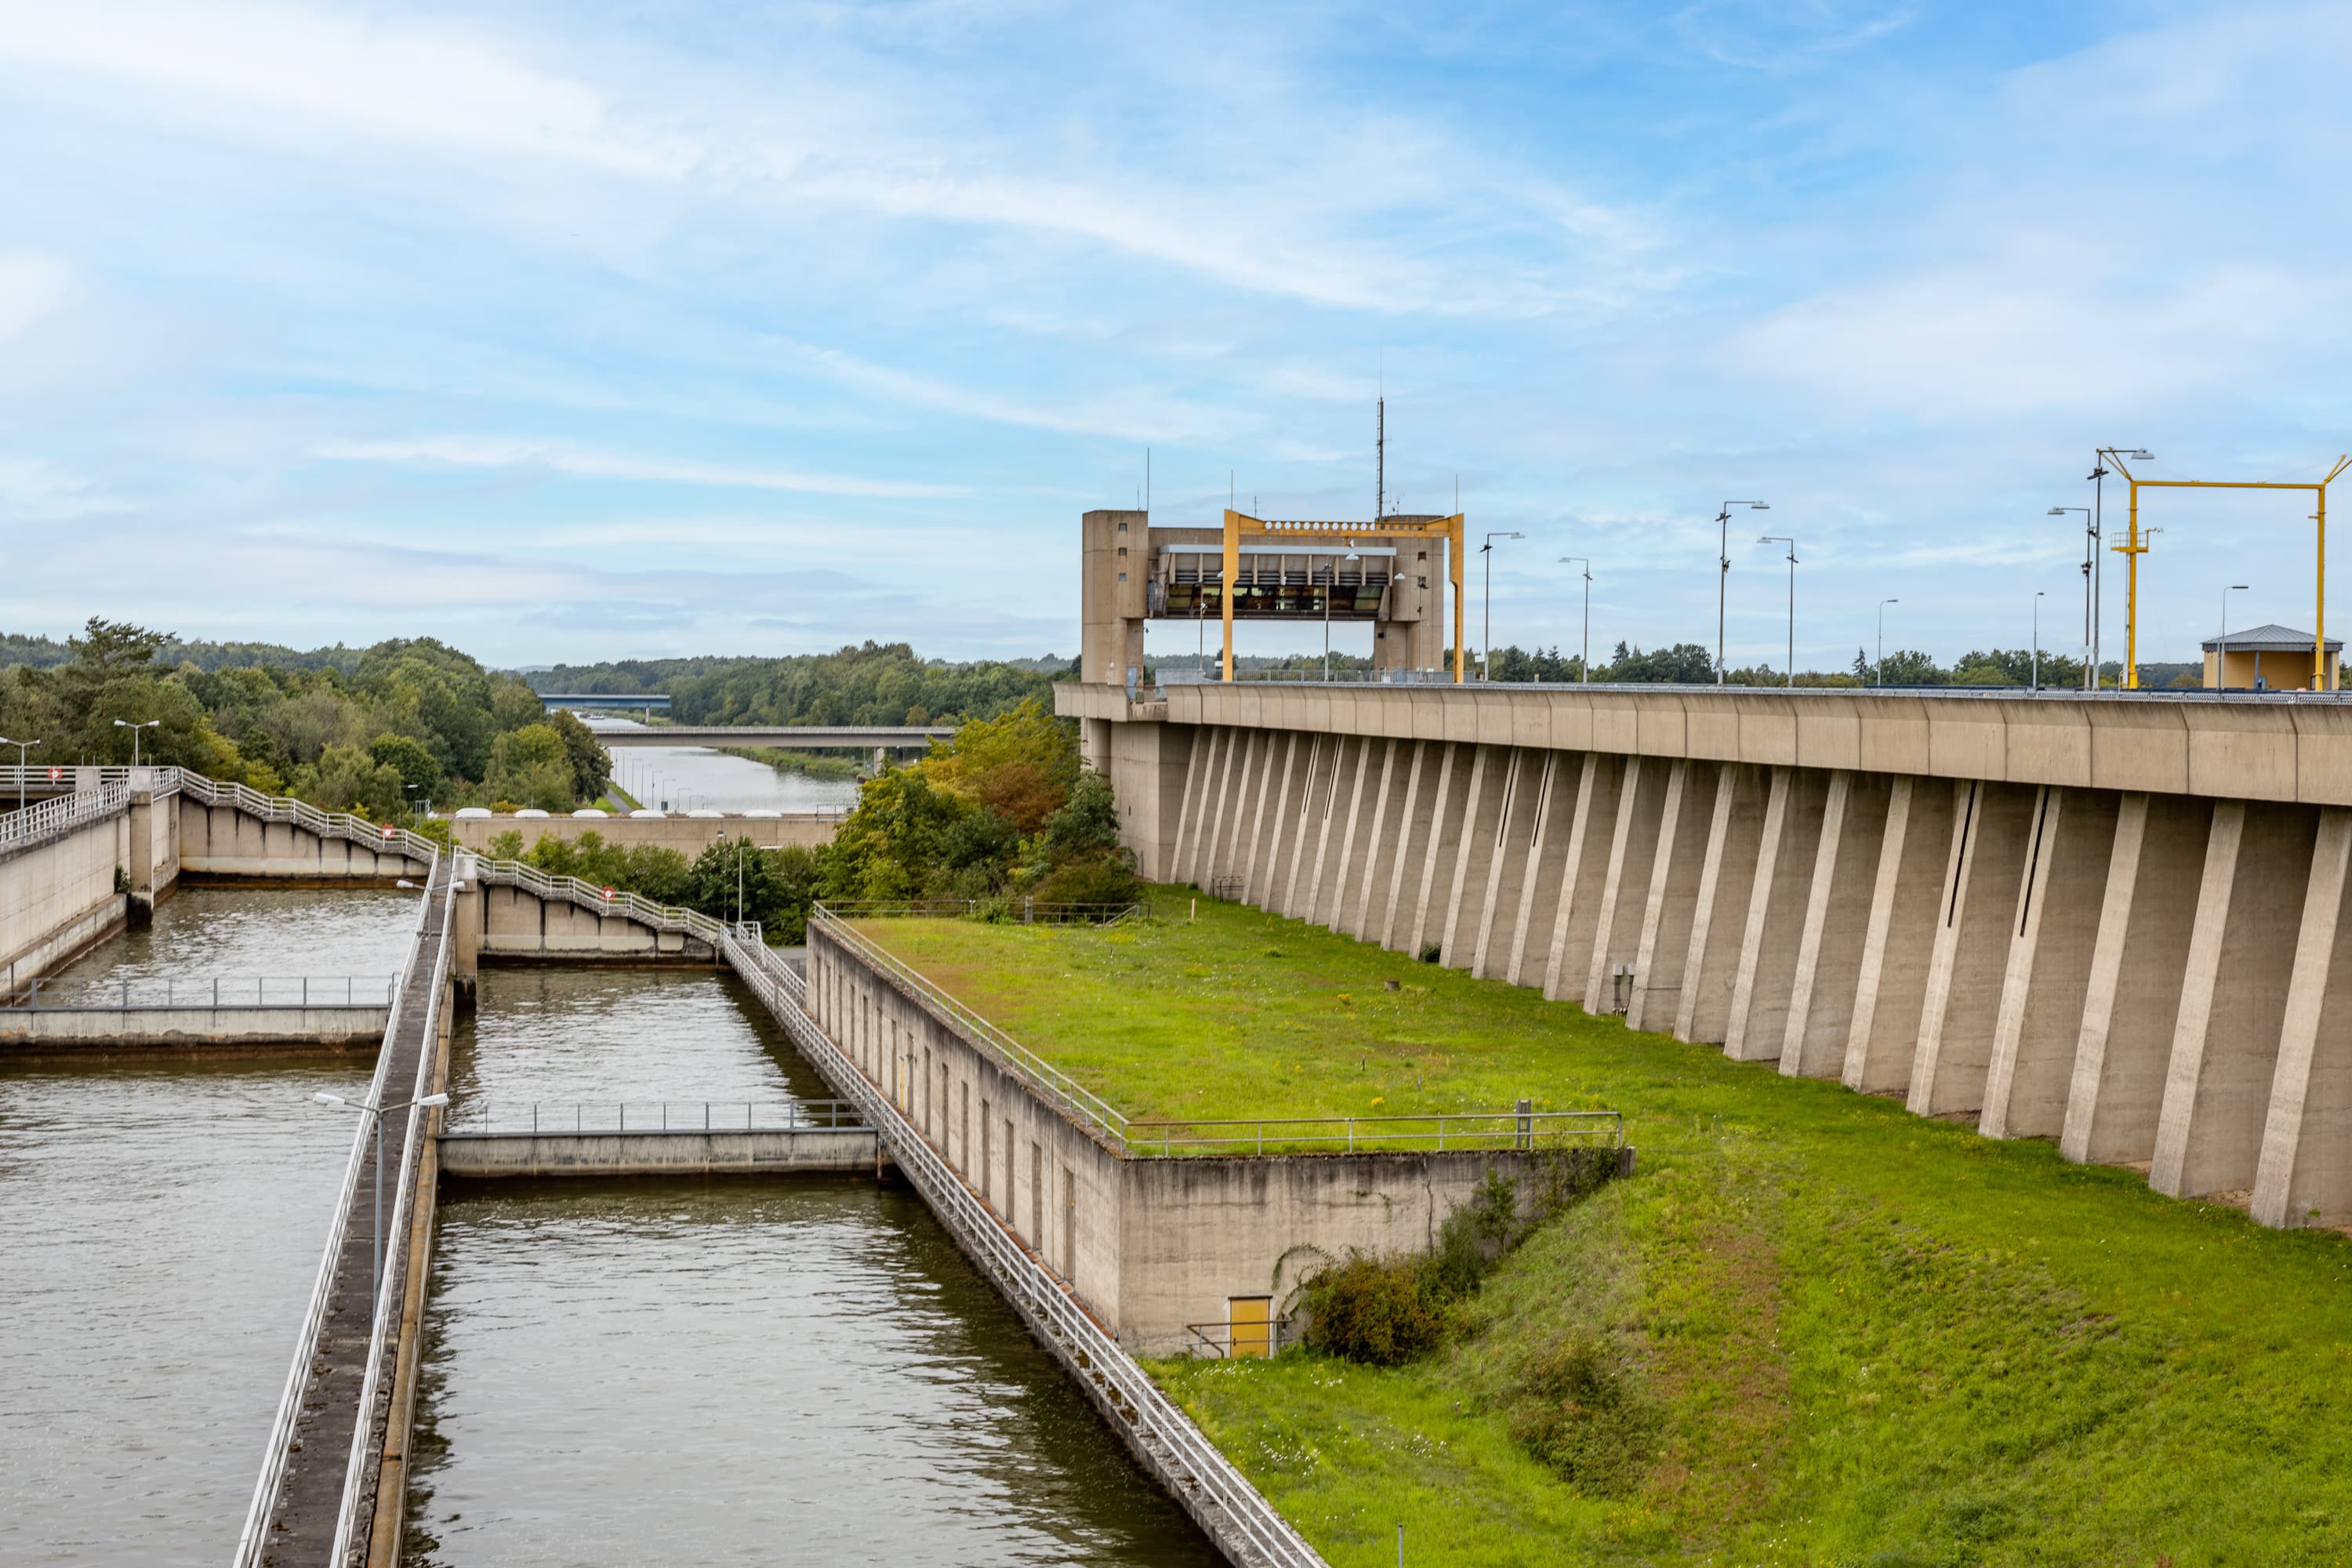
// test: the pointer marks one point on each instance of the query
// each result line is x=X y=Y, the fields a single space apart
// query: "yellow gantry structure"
x=2133 y=547
x=1239 y=524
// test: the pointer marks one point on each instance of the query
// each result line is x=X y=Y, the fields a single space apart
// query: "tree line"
x=874 y=683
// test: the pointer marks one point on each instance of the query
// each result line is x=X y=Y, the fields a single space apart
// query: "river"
x=678 y=778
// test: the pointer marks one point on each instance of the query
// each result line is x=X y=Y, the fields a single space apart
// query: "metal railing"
x=390 y=1289
x=325 y=823
x=1444 y=1131
x=61 y=814
x=253 y=1540
x=590 y=896
x=181 y=993
x=1005 y=911
x=1270 y=1337
x=1200 y=1473
x=584 y=1118
x=1092 y=1111
x=69 y=778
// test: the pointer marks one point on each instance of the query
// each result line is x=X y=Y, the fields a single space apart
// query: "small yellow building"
x=2265 y=659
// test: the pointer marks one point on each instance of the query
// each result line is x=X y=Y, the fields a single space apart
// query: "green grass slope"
x=1814 y=1330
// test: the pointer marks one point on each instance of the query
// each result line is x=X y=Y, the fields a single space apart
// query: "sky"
x=624 y=329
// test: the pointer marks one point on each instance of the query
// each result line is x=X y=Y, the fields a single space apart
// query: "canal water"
x=696 y=778
x=159 y=1227
x=731 y=1371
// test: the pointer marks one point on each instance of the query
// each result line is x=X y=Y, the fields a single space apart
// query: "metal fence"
x=325 y=823
x=185 y=992
x=1001 y=911
x=1191 y=1465
x=1519 y=1128
x=61 y=814
x=590 y=896
x=1240 y=1341
x=581 y=1118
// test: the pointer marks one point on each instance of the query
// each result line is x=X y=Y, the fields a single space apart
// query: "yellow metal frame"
x=2133 y=548
x=1237 y=524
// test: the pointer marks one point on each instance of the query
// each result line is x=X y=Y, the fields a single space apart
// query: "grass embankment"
x=1814 y=1330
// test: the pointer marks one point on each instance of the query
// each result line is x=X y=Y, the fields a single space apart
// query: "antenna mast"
x=1380 y=460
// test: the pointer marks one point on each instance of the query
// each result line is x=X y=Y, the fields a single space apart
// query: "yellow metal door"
x=1249 y=1327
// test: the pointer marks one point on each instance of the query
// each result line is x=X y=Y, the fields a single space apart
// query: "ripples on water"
x=747 y=1372
x=160 y=1224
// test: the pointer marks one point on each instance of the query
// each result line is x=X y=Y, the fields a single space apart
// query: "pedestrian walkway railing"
x=358 y=1485
x=544 y=1118
x=1091 y=1110
x=588 y=895
x=1001 y=911
x=1191 y=1464
x=86 y=778
x=181 y=993
x=253 y=1541
x=1328 y=1134
x=63 y=814
x=325 y=823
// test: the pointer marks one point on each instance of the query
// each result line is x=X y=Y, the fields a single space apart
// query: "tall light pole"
x=1723 y=572
x=22 y=747
x=2098 y=477
x=2221 y=657
x=1586 y=657
x=375 y=1258
x=134 y=729
x=2037 y=638
x=1487 y=635
x=2089 y=572
x=1882 y=637
x=1791 y=543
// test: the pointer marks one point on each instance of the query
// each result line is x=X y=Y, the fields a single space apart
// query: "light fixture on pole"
x=1723 y=572
x=1585 y=659
x=1791 y=543
x=2037 y=638
x=1882 y=637
x=2090 y=569
x=375 y=1258
x=22 y=747
x=2222 y=656
x=1487 y=635
x=134 y=729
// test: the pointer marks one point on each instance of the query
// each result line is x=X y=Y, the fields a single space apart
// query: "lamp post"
x=2090 y=559
x=2037 y=638
x=1882 y=637
x=2221 y=657
x=1791 y=543
x=1487 y=635
x=1584 y=659
x=1723 y=572
x=375 y=1258
x=134 y=729
x=2098 y=477
x=22 y=747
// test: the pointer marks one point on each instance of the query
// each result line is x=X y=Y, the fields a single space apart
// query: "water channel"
x=616 y=1373
x=697 y=777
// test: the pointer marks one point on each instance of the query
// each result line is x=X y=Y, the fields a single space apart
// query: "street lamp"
x=1723 y=572
x=1487 y=637
x=22 y=747
x=2098 y=477
x=1587 y=657
x=376 y=1259
x=2090 y=557
x=1791 y=543
x=1882 y=637
x=2221 y=658
x=2037 y=638
x=134 y=729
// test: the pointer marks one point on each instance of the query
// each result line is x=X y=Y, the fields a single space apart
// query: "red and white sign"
x=608 y=895
x=55 y=773
x=391 y=832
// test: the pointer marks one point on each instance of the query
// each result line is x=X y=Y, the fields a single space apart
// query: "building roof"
x=2272 y=639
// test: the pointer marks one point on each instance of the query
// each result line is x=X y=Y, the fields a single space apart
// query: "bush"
x=1106 y=880
x=1376 y=1311
x=1577 y=1411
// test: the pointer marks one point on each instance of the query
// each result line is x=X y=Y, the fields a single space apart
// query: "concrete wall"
x=48 y=1029
x=2114 y=924
x=58 y=897
x=1151 y=1245
x=222 y=844
x=516 y=924
x=483 y=1157
x=690 y=835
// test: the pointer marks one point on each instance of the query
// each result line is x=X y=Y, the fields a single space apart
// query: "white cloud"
x=594 y=463
x=33 y=286
x=32 y=490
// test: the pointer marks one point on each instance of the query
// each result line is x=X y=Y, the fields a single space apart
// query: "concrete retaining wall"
x=222 y=844
x=690 y=835
x=1151 y=1245
x=488 y=1156
x=515 y=923
x=58 y=896
x=171 y=1028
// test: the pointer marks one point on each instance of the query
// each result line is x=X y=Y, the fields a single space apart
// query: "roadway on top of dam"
x=797 y=737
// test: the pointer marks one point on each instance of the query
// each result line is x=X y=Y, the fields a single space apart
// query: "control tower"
x=1394 y=573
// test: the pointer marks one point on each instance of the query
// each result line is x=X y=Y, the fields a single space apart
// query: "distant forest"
x=877 y=683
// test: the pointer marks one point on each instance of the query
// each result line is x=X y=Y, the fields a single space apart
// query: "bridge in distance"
x=797 y=737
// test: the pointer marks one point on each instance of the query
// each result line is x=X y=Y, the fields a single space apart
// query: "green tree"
x=592 y=766
x=419 y=770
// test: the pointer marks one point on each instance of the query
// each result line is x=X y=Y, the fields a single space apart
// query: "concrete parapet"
x=40 y=1030
x=690 y=835
x=487 y=1156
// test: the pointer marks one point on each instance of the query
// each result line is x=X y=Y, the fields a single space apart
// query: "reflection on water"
x=160 y=1224
x=800 y=1371
x=693 y=776
x=203 y=931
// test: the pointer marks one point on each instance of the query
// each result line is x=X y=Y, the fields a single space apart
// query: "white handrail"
x=326 y=824
x=391 y=1286
x=1203 y=1475
x=61 y=814
x=604 y=901
x=255 y=1536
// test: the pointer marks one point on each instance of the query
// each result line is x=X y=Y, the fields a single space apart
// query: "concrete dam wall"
x=2114 y=922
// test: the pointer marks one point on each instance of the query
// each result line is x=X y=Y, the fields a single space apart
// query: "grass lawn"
x=1828 y=1331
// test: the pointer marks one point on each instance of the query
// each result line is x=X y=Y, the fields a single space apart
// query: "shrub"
x=1376 y=1310
x=1105 y=879
x=1583 y=1416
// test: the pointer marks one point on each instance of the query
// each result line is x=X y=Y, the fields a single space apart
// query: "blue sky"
x=600 y=331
